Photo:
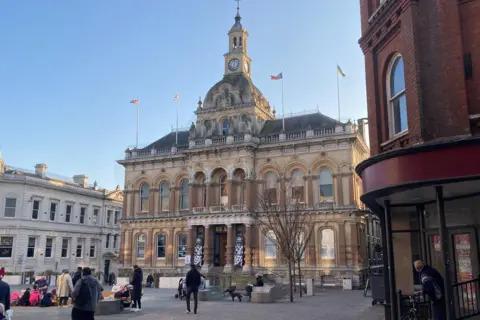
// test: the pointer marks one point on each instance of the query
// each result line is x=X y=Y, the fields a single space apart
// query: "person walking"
x=5 y=296
x=64 y=288
x=193 y=280
x=85 y=296
x=137 y=280
x=433 y=286
x=77 y=275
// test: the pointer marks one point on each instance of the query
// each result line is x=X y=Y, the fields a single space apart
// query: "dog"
x=233 y=294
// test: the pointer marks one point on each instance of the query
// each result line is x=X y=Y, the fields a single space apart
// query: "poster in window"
x=463 y=263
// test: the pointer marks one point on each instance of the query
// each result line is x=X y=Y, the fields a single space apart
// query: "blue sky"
x=68 y=70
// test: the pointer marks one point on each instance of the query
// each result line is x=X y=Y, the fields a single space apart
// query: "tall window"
x=64 y=248
x=68 y=213
x=328 y=244
x=271 y=187
x=140 y=246
x=144 y=190
x=92 y=251
x=270 y=247
x=109 y=216
x=182 y=245
x=115 y=239
x=35 y=209
x=184 y=194
x=79 y=252
x=95 y=216
x=160 y=246
x=31 y=247
x=223 y=190
x=240 y=188
x=225 y=126
x=325 y=184
x=10 y=206
x=164 y=196
x=117 y=216
x=6 y=247
x=53 y=211
x=297 y=183
x=49 y=248
x=83 y=212
x=397 y=97
x=107 y=241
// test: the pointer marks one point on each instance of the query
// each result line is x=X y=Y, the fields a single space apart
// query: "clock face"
x=233 y=64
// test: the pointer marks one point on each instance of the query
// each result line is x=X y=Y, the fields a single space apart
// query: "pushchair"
x=125 y=297
x=182 y=290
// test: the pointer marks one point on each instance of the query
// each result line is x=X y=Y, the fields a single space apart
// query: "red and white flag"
x=176 y=97
x=136 y=101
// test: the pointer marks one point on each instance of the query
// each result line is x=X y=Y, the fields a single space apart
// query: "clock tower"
x=237 y=60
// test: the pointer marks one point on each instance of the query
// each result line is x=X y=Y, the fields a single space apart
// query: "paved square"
x=160 y=304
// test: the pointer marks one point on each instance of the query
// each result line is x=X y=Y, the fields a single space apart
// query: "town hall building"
x=191 y=193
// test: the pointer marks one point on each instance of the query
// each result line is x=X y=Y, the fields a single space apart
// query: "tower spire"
x=238 y=17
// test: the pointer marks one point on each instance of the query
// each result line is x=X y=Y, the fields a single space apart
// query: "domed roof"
x=232 y=91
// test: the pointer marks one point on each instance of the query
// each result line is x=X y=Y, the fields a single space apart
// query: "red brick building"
x=422 y=61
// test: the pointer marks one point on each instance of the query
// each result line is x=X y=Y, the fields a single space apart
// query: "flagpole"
x=176 y=133
x=138 y=118
x=283 y=110
x=338 y=94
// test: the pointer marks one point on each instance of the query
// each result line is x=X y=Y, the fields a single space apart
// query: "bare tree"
x=304 y=228
x=282 y=221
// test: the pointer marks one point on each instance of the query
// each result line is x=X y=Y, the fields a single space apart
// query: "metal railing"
x=466 y=299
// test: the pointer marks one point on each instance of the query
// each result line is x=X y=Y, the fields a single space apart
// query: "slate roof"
x=299 y=123
x=168 y=141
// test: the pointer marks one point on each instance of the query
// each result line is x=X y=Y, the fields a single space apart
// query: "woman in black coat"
x=137 y=280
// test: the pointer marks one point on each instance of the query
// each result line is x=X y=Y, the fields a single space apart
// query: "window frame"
x=325 y=198
x=398 y=95
x=270 y=191
x=115 y=241
x=79 y=246
x=67 y=249
x=294 y=188
x=82 y=215
x=94 y=247
x=271 y=243
x=144 y=207
x=5 y=208
x=225 y=126
x=327 y=256
x=31 y=254
x=164 y=246
x=68 y=214
x=109 y=216
x=180 y=254
x=137 y=247
x=8 y=248
x=53 y=212
x=162 y=196
x=95 y=216
x=107 y=241
x=116 y=217
x=184 y=194
x=48 y=256
x=37 y=210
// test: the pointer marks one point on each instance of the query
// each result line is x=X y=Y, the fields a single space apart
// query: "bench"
x=268 y=293
x=108 y=307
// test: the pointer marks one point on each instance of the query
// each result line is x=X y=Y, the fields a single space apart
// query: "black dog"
x=234 y=294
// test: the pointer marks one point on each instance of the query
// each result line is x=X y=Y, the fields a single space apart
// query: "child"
x=15 y=299
x=25 y=299
x=35 y=296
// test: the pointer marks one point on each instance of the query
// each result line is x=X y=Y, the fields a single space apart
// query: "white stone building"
x=50 y=224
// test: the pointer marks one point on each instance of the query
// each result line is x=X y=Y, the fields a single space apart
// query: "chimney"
x=81 y=179
x=41 y=170
x=363 y=128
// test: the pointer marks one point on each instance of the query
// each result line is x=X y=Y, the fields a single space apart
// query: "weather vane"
x=238 y=4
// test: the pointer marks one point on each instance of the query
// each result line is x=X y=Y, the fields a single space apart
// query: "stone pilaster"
x=247 y=267
x=310 y=197
x=354 y=243
x=149 y=248
x=191 y=190
x=151 y=202
x=121 y=254
x=351 y=189
x=128 y=248
x=229 y=250
x=339 y=187
x=248 y=192
x=207 y=249
x=172 y=203
x=131 y=212
x=125 y=202
x=342 y=247
x=230 y=193
x=190 y=242
x=208 y=190
x=170 y=245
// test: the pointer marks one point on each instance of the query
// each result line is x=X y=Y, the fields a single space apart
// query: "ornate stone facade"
x=195 y=198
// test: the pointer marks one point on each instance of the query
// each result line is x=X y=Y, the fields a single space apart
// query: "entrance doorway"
x=106 y=270
x=219 y=245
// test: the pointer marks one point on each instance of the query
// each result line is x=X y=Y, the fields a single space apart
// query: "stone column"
x=354 y=241
x=230 y=193
x=170 y=243
x=128 y=248
x=208 y=191
x=207 y=249
x=125 y=202
x=172 y=204
x=148 y=248
x=247 y=267
x=190 y=242
x=342 y=248
x=132 y=203
x=248 y=192
x=310 y=198
x=121 y=254
x=191 y=190
x=351 y=189
x=151 y=202
x=229 y=250
x=339 y=187
x=312 y=252
x=255 y=246
x=73 y=253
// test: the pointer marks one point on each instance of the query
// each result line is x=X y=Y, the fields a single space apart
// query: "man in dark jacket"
x=77 y=276
x=5 y=294
x=433 y=286
x=85 y=296
x=193 y=280
x=137 y=280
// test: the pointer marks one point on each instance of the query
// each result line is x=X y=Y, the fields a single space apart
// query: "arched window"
x=325 y=184
x=241 y=41
x=240 y=179
x=397 y=99
x=203 y=193
x=161 y=246
x=225 y=126
x=164 y=196
x=297 y=186
x=271 y=187
x=270 y=248
x=223 y=190
x=184 y=194
x=182 y=245
x=328 y=244
x=140 y=246
x=144 y=190
x=234 y=42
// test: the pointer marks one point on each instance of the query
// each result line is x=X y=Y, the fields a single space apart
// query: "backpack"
x=83 y=296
